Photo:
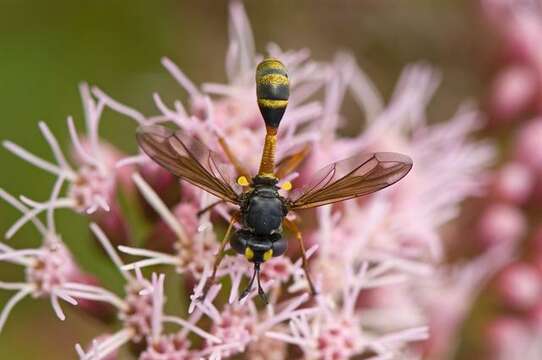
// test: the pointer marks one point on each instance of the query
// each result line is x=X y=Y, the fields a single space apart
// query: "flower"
x=49 y=269
x=373 y=259
x=140 y=313
x=91 y=186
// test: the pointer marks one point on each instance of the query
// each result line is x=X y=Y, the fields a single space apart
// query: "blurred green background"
x=48 y=47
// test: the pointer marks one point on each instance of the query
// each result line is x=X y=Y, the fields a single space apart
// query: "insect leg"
x=293 y=227
x=219 y=257
x=209 y=207
x=241 y=170
x=290 y=163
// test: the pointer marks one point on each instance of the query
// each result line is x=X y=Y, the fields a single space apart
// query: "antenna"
x=261 y=292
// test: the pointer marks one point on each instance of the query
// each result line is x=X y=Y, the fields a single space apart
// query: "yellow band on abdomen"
x=274 y=104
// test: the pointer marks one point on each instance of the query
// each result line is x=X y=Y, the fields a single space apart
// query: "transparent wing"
x=350 y=178
x=189 y=159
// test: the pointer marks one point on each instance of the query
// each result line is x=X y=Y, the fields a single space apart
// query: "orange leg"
x=241 y=170
x=293 y=227
x=219 y=257
x=291 y=162
x=209 y=207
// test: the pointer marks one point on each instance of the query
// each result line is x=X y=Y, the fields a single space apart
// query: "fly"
x=261 y=209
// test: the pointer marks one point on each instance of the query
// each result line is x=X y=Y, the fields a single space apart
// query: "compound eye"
x=239 y=241
x=279 y=247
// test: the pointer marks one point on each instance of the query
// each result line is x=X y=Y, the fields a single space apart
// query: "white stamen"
x=106 y=244
x=141 y=252
x=408 y=335
x=79 y=148
x=14 y=286
x=240 y=33
x=80 y=351
x=104 y=348
x=288 y=339
x=11 y=303
x=92 y=209
x=223 y=90
x=19 y=206
x=55 y=148
x=56 y=307
x=102 y=202
x=52 y=200
x=36 y=161
x=20 y=254
x=196 y=330
x=61 y=203
x=161 y=208
x=157 y=305
x=93 y=113
x=115 y=301
x=285 y=316
x=181 y=78
x=64 y=296
x=365 y=93
x=178 y=118
x=148 y=262
x=130 y=160
x=118 y=107
x=90 y=291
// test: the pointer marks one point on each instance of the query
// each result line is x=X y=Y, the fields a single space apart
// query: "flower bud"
x=529 y=144
x=513 y=183
x=500 y=225
x=519 y=285
x=512 y=92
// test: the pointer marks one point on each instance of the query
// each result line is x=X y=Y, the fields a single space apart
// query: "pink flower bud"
x=519 y=285
x=512 y=92
x=162 y=182
x=529 y=144
x=536 y=246
x=506 y=335
x=534 y=316
x=162 y=237
x=113 y=224
x=501 y=224
x=98 y=309
x=513 y=183
x=113 y=355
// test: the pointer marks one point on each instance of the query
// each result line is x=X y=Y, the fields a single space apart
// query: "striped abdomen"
x=272 y=89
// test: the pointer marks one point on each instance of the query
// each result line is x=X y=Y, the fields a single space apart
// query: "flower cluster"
x=513 y=329
x=373 y=259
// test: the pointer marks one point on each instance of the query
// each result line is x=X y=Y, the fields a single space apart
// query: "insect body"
x=262 y=210
x=262 y=214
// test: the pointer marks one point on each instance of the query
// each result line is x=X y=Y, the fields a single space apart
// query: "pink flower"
x=514 y=91
x=528 y=142
x=519 y=285
x=501 y=224
x=49 y=269
x=91 y=186
x=140 y=312
x=377 y=261
x=507 y=338
x=514 y=183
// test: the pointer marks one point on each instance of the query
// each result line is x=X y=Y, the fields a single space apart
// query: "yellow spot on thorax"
x=286 y=186
x=243 y=181
x=249 y=254
x=268 y=255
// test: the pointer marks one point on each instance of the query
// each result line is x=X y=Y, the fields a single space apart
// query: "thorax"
x=263 y=210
